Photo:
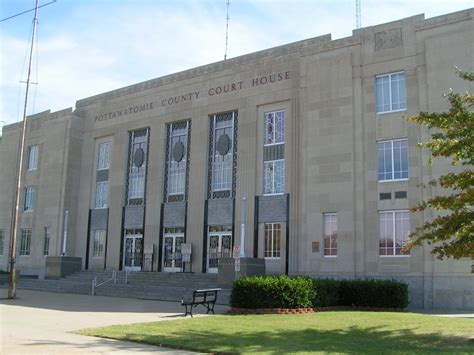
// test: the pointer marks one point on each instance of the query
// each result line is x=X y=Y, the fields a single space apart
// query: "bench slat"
x=206 y=297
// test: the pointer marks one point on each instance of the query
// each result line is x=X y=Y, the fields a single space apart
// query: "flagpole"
x=13 y=272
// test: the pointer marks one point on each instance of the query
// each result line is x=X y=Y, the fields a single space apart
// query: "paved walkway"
x=39 y=322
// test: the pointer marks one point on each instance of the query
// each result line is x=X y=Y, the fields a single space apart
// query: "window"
x=103 y=161
x=392 y=160
x=98 y=243
x=222 y=153
x=330 y=234
x=29 y=198
x=274 y=177
x=137 y=166
x=272 y=240
x=274 y=128
x=46 y=241
x=33 y=152
x=394 y=231
x=25 y=242
x=390 y=92
x=1 y=241
x=101 y=194
x=177 y=159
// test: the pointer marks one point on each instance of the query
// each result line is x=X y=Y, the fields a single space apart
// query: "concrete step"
x=142 y=285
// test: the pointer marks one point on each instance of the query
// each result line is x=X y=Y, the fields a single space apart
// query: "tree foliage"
x=451 y=231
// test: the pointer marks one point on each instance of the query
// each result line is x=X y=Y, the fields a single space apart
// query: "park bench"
x=206 y=297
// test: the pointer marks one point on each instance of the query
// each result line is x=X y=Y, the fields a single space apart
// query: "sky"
x=87 y=47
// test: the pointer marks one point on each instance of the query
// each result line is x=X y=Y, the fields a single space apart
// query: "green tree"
x=452 y=230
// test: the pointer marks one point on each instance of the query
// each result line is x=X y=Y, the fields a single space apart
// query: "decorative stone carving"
x=388 y=39
x=178 y=152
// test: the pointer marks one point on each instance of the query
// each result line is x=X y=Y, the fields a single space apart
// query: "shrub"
x=326 y=292
x=373 y=293
x=272 y=292
x=300 y=292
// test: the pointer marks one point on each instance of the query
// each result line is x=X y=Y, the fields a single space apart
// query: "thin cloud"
x=95 y=47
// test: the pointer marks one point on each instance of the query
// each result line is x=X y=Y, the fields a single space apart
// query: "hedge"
x=272 y=292
x=379 y=293
x=300 y=292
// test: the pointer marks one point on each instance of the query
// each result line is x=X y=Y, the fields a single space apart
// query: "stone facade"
x=326 y=165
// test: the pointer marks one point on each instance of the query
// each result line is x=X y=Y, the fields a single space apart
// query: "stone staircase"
x=141 y=285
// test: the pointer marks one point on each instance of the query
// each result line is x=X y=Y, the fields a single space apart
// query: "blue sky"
x=87 y=47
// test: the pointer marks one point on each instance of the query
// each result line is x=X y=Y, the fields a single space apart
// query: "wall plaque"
x=315 y=247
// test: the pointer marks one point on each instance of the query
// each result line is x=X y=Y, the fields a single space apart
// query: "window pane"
x=381 y=161
x=397 y=162
x=269 y=128
x=402 y=92
x=381 y=88
x=392 y=151
x=268 y=241
x=222 y=164
x=386 y=233
x=272 y=237
x=390 y=92
x=33 y=152
x=402 y=230
x=386 y=93
x=400 y=156
x=279 y=177
x=280 y=127
x=29 y=198
x=104 y=156
x=330 y=234
x=394 y=231
x=398 y=91
x=1 y=241
x=394 y=91
x=384 y=158
x=177 y=169
x=101 y=194
x=274 y=177
x=268 y=177
x=276 y=240
x=46 y=241
x=137 y=165
x=25 y=242
x=98 y=243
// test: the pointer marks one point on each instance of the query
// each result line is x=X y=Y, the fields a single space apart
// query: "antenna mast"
x=12 y=278
x=358 y=14
x=227 y=30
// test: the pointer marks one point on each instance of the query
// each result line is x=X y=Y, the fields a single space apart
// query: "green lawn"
x=342 y=332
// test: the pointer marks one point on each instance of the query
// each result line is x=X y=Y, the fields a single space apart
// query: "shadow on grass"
x=353 y=339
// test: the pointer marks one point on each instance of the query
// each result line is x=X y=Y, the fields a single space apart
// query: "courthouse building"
x=305 y=145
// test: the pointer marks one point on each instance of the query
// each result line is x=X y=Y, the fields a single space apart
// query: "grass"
x=341 y=332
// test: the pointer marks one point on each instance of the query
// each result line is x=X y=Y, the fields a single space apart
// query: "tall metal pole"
x=66 y=226
x=358 y=14
x=12 y=278
x=227 y=30
x=243 y=219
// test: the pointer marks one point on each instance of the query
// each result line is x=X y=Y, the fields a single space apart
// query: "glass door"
x=133 y=255
x=172 y=257
x=220 y=246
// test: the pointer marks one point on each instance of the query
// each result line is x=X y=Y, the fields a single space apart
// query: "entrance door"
x=132 y=259
x=220 y=246
x=172 y=257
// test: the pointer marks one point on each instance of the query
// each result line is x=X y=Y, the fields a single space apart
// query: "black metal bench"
x=206 y=297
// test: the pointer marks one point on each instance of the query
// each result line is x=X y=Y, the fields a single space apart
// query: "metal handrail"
x=127 y=272
x=95 y=284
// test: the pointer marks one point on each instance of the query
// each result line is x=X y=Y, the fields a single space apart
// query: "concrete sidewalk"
x=39 y=322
